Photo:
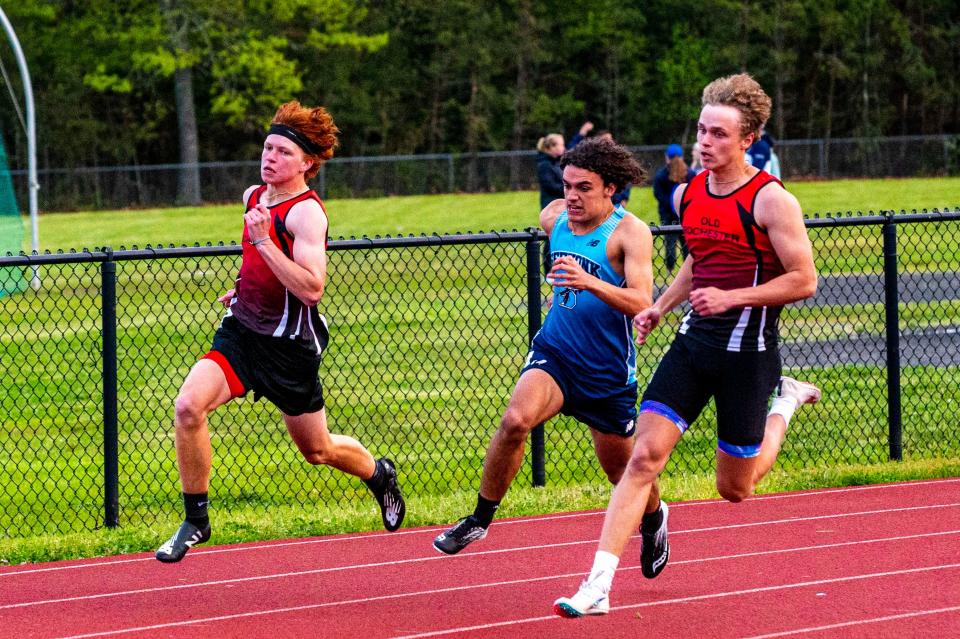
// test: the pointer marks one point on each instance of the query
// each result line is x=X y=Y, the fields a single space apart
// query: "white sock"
x=783 y=406
x=604 y=566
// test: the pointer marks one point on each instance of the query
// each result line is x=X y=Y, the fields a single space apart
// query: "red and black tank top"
x=261 y=302
x=730 y=251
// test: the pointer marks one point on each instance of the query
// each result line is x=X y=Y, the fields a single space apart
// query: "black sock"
x=652 y=521
x=375 y=483
x=485 y=510
x=195 y=506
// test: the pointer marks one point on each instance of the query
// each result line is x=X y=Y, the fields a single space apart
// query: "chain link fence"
x=119 y=187
x=428 y=335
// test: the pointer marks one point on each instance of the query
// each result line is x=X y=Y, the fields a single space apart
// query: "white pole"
x=34 y=184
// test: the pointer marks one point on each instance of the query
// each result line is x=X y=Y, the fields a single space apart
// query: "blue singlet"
x=592 y=337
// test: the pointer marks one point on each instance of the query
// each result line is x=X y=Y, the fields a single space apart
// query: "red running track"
x=870 y=561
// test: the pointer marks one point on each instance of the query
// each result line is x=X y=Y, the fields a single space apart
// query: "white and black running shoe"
x=186 y=537
x=392 y=506
x=655 y=550
x=461 y=535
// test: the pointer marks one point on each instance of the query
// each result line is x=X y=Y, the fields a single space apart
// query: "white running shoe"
x=589 y=600
x=803 y=392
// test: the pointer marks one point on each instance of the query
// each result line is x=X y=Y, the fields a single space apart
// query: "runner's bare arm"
x=305 y=275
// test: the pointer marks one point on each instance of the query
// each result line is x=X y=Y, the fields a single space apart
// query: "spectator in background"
x=549 y=174
x=697 y=165
x=759 y=152
x=673 y=173
x=550 y=148
x=580 y=135
x=773 y=164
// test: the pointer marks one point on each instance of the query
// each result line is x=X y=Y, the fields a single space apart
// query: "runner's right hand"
x=226 y=297
x=645 y=321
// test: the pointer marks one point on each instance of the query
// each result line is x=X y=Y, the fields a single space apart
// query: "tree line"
x=156 y=81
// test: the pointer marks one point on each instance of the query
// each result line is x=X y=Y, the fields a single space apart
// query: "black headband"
x=296 y=137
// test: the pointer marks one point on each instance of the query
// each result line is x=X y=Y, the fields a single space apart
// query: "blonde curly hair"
x=744 y=94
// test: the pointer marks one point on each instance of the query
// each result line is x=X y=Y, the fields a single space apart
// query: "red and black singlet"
x=261 y=302
x=730 y=251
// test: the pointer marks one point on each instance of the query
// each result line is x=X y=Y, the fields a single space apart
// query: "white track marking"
x=197 y=552
x=716 y=595
x=397 y=562
x=858 y=622
x=532 y=580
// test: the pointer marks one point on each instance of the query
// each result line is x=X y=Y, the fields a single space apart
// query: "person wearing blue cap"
x=673 y=173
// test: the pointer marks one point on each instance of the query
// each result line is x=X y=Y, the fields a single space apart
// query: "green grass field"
x=404 y=376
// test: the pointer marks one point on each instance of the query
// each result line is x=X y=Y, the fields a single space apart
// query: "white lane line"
x=858 y=622
x=437 y=557
x=496 y=584
x=716 y=595
x=197 y=552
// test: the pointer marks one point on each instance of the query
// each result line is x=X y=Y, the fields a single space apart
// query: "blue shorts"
x=741 y=384
x=614 y=413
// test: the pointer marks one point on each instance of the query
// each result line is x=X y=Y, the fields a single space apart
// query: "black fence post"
x=892 y=312
x=537 y=443
x=111 y=479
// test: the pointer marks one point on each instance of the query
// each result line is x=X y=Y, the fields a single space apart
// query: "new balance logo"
x=593 y=243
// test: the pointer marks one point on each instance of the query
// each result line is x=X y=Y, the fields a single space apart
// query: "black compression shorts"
x=741 y=384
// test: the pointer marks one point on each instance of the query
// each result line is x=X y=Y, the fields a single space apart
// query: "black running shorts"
x=283 y=370
x=614 y=412
x=740 y=383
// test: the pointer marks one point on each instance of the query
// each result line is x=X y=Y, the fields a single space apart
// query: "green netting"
x=12 y=280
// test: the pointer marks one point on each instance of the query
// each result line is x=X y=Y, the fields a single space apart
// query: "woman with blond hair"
x=549 y=174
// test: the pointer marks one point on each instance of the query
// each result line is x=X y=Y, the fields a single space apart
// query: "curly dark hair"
x=613 y=163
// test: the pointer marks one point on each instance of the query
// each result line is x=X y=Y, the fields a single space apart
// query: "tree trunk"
x=781 y=72
x=744 y=34
x=524 y=39
x=188 y=178
x=825 y=172
x=473 y=133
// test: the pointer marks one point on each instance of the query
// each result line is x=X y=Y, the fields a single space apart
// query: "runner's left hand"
x=709 y=301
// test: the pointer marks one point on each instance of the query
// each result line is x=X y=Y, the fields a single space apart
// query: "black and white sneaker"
x=655 y=550
x=461 y=535
x=186 y=537
x=392 y=506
